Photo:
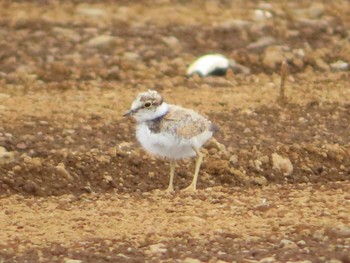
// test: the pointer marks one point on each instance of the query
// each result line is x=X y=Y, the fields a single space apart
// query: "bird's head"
x=147 y=106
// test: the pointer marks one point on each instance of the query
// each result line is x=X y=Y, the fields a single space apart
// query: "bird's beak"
x=128 y=113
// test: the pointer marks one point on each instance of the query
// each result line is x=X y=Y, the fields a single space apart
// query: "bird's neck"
x=161 y=110
x=158 y=113
x=155 y=123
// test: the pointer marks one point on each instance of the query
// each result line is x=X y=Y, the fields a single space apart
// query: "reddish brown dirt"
x=75 y=184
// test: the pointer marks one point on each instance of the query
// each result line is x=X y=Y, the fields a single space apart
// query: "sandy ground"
x=75 y=185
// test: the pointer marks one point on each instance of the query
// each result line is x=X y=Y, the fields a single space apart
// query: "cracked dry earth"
x=75 y=185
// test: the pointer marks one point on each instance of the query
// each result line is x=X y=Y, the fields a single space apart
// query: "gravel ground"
x=75 y=186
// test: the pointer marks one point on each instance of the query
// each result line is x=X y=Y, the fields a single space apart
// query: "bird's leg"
x=172 y=172
x=193 y=185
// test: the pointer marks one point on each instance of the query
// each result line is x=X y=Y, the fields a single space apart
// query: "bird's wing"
x=184 y=123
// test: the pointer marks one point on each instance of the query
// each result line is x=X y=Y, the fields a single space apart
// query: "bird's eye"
x=148 y=104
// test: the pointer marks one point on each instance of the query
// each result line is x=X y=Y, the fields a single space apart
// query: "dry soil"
x=75 y=186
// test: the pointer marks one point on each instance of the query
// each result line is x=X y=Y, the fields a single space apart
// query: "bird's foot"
x=170 y=189
x=190 y=189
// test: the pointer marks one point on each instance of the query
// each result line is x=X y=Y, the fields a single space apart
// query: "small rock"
x=273 y=56
x=131 y=56
x=218 y=166
x=285 y=243
x=9 y=136
x=67 y=33
x=247 y=130
x=257 y=165
x=301 y=243
x=340 y=65
x=171 y=42
x=233 y=159
x=157 y=248
x=125 y=146
x=264 y=159
x=123 y=256
x=265 y=6
x=238 y=68
x=263 y=206
x=335 y=151
x=319 y=235
x=315 y=11
x=100 y=41
x=43 y=122
x=61 y=170
x=114 y=73
x=91 y=12
x=260 y=180
x=31 y=187
x=68 y=132
x=4 y=96
x=260 y=15
x=5 y=156
x=35 y=162
x=262 y=43
x=282 y=164
x=321 y=64
x=21 y=146
x=267 y=260
x=112 y=152
x=191 y=260
x=213 y=143
x=333 y=260
x=87 y=189
x=234 y=24
x=105 y=159
x=108 y=178
x=30 y=124
x=339 y=231
x=123 y=13
x=68 y=260
x=17 y=168
x=213 y=151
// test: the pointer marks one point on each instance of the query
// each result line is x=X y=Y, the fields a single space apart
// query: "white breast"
x=168 y=145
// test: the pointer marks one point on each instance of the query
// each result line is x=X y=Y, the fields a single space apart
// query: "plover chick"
x=170 y=131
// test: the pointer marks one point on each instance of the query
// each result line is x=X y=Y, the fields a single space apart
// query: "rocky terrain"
x=75 y=186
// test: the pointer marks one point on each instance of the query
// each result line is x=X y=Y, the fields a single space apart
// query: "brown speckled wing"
x=184 y=123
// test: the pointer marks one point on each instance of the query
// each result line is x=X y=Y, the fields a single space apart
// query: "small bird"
x=214 y=65
x=209 y=65
x=170 y=131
